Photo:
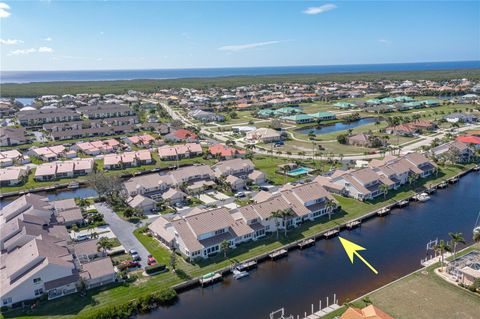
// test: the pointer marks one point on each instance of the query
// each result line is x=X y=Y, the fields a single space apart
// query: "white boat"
x=73 y=185
x=237 y=274
x=423 y=197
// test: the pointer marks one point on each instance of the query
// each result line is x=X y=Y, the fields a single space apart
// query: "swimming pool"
x=299 y=171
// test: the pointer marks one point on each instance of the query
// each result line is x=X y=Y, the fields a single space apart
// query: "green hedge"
x=143 y=304
x=155 y=268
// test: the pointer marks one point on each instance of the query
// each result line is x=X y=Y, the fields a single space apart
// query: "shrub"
x=155 y=268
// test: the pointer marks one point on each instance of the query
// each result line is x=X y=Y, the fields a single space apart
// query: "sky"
x=90 y=35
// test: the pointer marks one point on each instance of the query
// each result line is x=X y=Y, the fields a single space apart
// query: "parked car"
x=240 y=195
x=151 y=261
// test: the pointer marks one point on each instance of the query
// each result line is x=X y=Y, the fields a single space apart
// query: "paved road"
x=124 y=231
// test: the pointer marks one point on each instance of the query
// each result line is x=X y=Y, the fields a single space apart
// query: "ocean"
x=108 y=75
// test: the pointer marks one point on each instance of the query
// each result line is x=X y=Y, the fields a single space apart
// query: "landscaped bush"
x=143 y=304
x=155 y=268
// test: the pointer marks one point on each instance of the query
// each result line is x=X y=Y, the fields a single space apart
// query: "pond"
x=340 y=126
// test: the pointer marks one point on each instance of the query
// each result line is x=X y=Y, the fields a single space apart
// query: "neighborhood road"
x=124 y=231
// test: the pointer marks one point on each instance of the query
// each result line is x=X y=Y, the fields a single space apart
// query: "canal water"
x=395 y=244
x=324 y=129
x=82 y=192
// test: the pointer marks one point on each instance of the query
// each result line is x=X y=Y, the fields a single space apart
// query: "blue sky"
x=87 y=35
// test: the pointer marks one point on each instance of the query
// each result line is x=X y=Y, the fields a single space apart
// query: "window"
x=220 y=231
x=38 y=292
x=7 y=301
x=37 y=280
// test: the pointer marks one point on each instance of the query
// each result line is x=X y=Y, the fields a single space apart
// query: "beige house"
x=174 y=196
x=235 y=183
x=264 y=135
x=98 y=272
x=13 y=176
x=257 y=177
x=238 y=167
x=145 y=204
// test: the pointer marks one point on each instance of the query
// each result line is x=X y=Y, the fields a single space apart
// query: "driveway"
x=124 y=231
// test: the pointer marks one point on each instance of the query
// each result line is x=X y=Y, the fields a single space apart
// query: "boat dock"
x=383 y=212
x=306 y=243
x=278 y=254
x=332 y=233
x=247 y=266
x=320 y=313
x=353 y=224
x=402 y=203
x=209 y=279
x=442 y=185
x=453 y=180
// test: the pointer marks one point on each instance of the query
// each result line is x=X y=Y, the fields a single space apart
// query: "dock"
x=209 y=279
x=383 y=212
x=402 y=203
x=331 y=233
x=453 y=180
x=247 y=266
x=353 y=224
x=278 y=254
x=442 y=185
x=306 y=243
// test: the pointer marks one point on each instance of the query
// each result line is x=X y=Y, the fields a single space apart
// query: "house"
x=98 y=147
x=98 y=272
x=257 y=177
x=87 y=250
x=181 y=135
x=127 y=159
x=369 y=312
x=106 y=111
x=238 y=167
x=205 y=116
x=67 y=212
x=454 y=151
x=149 y=185
x=140 y=140
x=48 y=154
x=144 y=204
x=235 y=183
x=44 y=116
x=72 y=168
x=460 y=117
x=10 y=136
x=174 y=196
x=364 y=183
x=365 y=140
x=200 y=235
x=473 y=141
x=13 y=176
x=470 y=274
x=264 y=135
x=223 y=152
x=176 y=152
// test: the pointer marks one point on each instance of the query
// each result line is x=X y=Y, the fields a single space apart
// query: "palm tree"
x=383 y=189
x=330 y=205
x=224 y=247
x=286 y=213
x=456 y=239
x=441 y=248
x=277 y=215
x=476 y=236
x=104 y=244
x=173 y=259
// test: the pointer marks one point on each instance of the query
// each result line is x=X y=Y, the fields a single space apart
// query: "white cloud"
x=31 y=51
x=45 y=50
x=384 y=41
x=10 y=41
x=239 y=47
x=320 y=9
x=4 y=10
x=48 y=39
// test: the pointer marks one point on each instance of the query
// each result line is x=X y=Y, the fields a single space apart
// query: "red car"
x=151 y=261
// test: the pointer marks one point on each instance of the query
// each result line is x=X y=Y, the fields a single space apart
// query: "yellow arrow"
x=352 y=249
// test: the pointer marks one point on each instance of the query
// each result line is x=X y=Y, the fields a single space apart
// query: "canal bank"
x=395 y=244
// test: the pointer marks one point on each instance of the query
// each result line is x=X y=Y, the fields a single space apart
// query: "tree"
x=224 y=246
x=456 y=238
x=104 y=244
x=441 y=248
x=108 y=186
x=330 y=205
x=476 y=236
x=173 y=259
x=286 y=213
x=383 y=189
x=342 y=138
x=277 y=215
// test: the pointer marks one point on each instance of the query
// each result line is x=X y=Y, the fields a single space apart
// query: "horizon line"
x=241 y=67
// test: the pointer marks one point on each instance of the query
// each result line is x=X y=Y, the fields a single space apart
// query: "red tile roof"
x=469 y=139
